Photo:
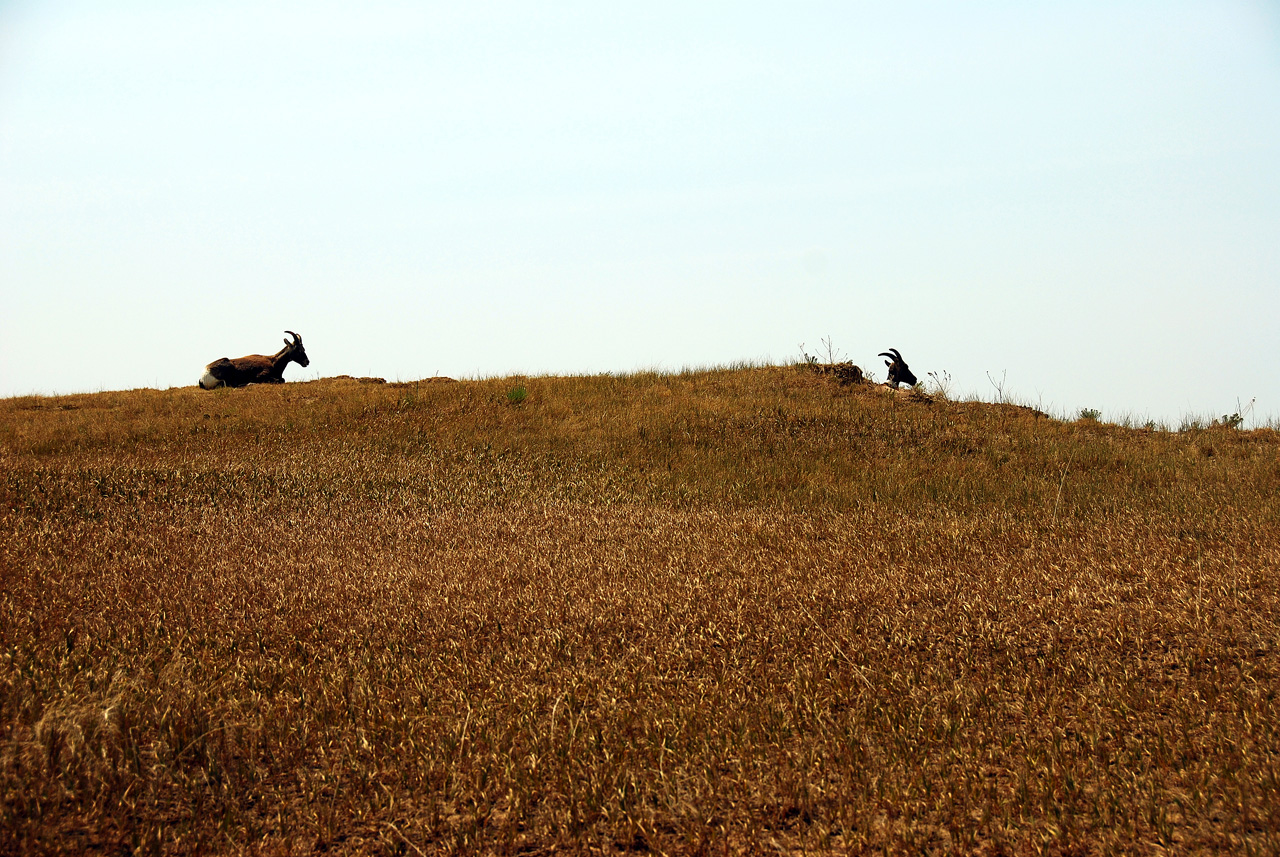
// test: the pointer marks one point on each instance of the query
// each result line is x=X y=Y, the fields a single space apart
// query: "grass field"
x=725 y=611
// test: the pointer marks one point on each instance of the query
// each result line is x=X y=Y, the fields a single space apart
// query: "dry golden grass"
x=738 y=611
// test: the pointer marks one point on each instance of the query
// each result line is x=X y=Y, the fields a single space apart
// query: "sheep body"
x=255 y=368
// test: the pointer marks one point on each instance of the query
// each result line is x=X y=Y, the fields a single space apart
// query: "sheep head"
x=295 y=349
x=899 y=372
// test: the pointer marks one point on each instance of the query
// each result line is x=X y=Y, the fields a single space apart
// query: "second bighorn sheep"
x=899 y=372
x=255 y=368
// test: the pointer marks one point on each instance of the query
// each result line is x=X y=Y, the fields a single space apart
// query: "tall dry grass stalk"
x=728 y=610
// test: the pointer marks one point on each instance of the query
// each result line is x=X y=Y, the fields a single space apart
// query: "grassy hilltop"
x=740 y=610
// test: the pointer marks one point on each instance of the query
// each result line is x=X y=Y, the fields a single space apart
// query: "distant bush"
x=1236 y=420
x=516 y=395
x=1090 y=414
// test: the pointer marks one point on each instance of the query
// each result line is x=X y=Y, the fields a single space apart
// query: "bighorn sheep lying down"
x=255 y=368
x=899 y=372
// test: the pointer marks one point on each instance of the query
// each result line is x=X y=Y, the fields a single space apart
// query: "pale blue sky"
x=1083 y=195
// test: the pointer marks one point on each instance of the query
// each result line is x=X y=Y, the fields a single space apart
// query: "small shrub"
x=1233 y=421
x=517 y=395
x=1090 y=414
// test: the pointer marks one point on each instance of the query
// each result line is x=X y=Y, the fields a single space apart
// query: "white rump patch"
x=208 y=382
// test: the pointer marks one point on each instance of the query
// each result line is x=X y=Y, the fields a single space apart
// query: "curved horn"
x=887 y=354
x=295 y=336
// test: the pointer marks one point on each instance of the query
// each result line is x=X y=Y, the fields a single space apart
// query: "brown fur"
x=257 y=368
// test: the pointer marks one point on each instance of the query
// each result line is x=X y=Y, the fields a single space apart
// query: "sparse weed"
x=833 y=354
x=999 y=385
x=942 y=384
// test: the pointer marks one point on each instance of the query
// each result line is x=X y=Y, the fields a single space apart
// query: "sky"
x=1073 y=205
